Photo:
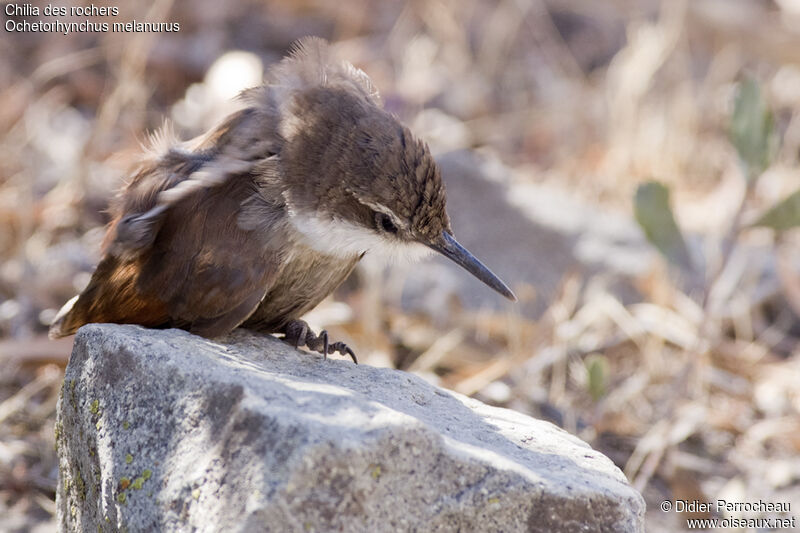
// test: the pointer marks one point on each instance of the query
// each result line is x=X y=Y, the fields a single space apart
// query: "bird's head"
x=356 y=180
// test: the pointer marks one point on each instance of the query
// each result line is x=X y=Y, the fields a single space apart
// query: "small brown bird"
x=256 y=222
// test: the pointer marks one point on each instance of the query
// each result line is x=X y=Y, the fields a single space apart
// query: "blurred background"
x=613 y=161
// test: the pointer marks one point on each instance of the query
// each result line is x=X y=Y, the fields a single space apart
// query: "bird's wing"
x=176 y=253
x=210 y=271
x=171 y=172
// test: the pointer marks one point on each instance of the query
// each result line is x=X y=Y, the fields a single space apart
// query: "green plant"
x=753 y=134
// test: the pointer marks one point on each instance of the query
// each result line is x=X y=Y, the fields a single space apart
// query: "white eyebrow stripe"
x=386 y=211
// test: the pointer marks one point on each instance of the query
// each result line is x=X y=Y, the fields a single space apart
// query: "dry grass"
x=694 y=397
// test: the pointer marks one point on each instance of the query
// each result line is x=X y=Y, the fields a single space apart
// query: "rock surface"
x=165 y=431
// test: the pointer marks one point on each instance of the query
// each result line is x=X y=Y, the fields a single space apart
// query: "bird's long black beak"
x=449 y=247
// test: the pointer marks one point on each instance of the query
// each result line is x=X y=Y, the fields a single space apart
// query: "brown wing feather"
x=174 y=254
x=204 y=265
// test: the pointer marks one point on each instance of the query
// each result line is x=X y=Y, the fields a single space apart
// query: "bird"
x=255 y=222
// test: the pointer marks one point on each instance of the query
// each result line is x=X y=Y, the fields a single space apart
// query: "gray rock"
x=166 y=431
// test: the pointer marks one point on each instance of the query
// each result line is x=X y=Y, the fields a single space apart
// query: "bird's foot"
x=297 y=333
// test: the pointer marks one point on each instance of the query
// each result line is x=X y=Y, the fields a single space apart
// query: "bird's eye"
x=385 y=223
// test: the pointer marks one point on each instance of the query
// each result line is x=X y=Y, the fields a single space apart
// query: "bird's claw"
x=297 y=333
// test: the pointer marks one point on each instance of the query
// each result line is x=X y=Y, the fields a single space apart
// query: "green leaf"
x=783 y=215
x=752 y=129
x=654 y=215
x=597 y=373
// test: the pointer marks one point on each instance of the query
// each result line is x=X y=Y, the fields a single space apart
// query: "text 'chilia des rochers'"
x=67 y=27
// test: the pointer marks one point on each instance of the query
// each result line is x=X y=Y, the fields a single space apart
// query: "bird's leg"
x=297 y=333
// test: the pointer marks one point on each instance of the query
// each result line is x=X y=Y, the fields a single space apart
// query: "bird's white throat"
x=341 y=238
